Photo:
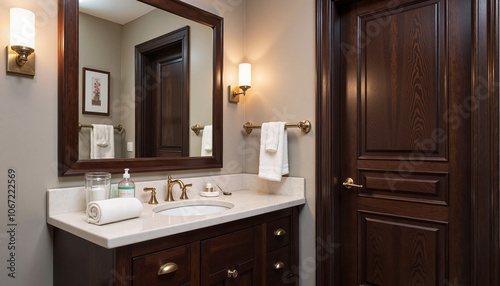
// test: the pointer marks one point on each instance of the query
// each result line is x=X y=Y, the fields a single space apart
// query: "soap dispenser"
x=126 y=188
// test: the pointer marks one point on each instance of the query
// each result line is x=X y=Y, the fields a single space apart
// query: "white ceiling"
x=118 y=11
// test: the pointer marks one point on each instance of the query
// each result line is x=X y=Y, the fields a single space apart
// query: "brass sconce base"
x=234 y=93
x=231 y=91
x=26 y=69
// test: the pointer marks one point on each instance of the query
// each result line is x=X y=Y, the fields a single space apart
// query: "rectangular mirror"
x=162 y=62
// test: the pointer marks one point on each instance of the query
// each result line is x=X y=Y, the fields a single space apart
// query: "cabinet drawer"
x=282 y=257
x=145 y=268
x=278 y=233
x=228 y=250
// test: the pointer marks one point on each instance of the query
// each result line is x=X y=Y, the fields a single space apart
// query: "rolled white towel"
x=112 y=210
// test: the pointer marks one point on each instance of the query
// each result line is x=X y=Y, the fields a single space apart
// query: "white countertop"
x=151 y=225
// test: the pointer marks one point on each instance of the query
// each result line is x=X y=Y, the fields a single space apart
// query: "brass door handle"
x=279 y=232
x=167 y=268
x=279 y=265
x=349 y=183
x=232 y=273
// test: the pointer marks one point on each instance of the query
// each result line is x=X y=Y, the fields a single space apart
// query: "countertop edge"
x=168 y=230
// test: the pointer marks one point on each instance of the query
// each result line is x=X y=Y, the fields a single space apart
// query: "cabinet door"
x=229 y=259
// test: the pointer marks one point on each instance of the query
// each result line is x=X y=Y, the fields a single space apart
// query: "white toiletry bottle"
x=126 y=188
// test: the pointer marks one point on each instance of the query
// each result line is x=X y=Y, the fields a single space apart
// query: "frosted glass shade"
x=22 y=28
x=245 y=75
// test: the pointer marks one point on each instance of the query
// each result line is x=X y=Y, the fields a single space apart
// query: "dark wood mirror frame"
x=68 y=74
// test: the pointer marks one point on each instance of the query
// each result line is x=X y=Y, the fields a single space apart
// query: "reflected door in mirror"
x=162 y=75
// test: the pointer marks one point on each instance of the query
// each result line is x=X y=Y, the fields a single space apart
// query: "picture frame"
x=96 y=92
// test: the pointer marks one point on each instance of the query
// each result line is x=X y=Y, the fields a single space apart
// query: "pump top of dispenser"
x=126 y=175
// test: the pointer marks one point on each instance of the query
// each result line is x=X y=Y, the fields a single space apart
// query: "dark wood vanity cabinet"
x=260 y=250
x=230 y=259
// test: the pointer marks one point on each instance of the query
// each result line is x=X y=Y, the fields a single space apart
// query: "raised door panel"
x=402 y=82
x=170 y=114
x=231 y=252
x=401 y=251
x=425 y=187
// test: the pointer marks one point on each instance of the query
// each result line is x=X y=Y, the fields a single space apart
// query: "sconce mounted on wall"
x=245 y=82
x=21 y=52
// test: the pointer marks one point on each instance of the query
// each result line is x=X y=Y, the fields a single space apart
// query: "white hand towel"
x=112 y=210
x=102 y=142
x=206 y=141
x=272 y=165
x=272 y=137
x=101 y=133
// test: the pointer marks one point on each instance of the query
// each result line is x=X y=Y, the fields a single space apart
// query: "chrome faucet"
x=170 y=185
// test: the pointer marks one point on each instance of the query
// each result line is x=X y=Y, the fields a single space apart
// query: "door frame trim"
x=484 y=146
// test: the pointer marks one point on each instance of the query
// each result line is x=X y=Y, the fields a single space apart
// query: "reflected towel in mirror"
x=206 y=141
x=102 y=144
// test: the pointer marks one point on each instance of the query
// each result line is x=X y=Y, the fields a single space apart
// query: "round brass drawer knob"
x=279 y=265
x=167 y=268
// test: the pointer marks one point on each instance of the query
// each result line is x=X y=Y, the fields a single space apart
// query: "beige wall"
x=28 y=112
x=280 y=45
x=100 y=48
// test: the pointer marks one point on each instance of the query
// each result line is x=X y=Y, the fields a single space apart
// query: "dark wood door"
x=162 y=101
x=171 y=112
x=406 y=139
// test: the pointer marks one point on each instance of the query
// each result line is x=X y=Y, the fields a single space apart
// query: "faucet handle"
x=152 y=200
x=184 y=192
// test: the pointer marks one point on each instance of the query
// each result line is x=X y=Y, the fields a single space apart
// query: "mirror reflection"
x=150 y=72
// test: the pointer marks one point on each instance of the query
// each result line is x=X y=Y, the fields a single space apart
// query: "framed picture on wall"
x=95 y=92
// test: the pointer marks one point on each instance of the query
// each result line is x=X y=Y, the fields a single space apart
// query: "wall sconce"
x=245 y=82
x=20 y=53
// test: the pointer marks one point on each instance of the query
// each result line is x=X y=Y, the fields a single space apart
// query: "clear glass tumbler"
x=97 y=186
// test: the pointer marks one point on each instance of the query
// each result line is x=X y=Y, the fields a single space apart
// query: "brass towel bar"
x=196 y=128
x=119 y=127
x=304 y=125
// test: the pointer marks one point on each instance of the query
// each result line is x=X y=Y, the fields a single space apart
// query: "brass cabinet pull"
x=279 y=265
x=279 y=232
x=167 y=268
x=349 y=183
x=232 y=273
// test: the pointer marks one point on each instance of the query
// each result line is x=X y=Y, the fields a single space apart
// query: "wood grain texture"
x=226 y=251
x=76 y=263
x=397 y=85
x=273 y=241
x=403 y=67
x=145 y=268
x=401 y=251
x=476 y=20
x=328 y=144
x=431 y=188
x=485 y=128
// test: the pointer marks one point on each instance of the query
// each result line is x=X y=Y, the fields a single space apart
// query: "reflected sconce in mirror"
x=21 y=52
x=245 y=82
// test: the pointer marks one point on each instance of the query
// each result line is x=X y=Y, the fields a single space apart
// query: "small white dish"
x=210 y=194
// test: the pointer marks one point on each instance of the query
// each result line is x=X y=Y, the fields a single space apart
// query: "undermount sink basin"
x=190 y=208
